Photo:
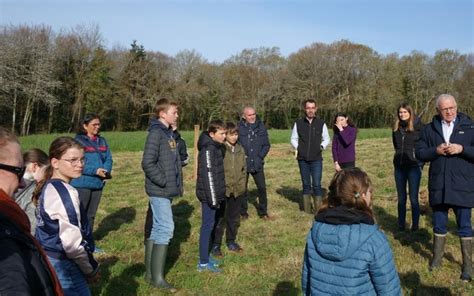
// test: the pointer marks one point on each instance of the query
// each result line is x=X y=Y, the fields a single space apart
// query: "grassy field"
x=273 y=251
x=134 y=141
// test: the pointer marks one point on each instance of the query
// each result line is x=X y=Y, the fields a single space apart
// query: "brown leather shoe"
x=267 y=217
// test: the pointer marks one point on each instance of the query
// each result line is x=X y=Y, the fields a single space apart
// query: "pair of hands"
x=449 y=149
x=101 y=172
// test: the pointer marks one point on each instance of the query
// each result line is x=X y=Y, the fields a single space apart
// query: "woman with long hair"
x=407 y=169
x=97 y=167
x=345 y=250
x=343 y=142
x=62 y=227
x=36 y=161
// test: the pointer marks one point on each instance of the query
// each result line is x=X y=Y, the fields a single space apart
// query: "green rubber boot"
x=317 y=200
x=158 y=260
x=148 y=250
x=466 y=249
x=307 y=203
x=438 y=251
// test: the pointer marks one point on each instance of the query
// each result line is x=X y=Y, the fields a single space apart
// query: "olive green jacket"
x=235 y=170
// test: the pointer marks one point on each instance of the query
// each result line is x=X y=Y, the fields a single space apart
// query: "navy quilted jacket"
x=348 y=259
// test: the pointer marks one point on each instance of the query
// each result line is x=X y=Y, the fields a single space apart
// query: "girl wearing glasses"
x=62 y=227
x=97 y=167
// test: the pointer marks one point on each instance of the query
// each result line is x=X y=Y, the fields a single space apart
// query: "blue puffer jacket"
x=451 y=178
x=348 y=259
x=97 y=155
x=254 y=138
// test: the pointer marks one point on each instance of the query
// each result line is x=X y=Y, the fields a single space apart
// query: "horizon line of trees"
x=49 y=80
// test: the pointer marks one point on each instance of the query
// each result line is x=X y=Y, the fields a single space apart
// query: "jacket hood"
x=338 y=240
x=206 y=140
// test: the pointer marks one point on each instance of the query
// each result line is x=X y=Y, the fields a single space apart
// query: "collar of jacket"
x=344 y=215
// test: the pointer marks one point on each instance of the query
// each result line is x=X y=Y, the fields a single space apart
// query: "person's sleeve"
x=70 y=233
x=326 y=137
x=13 y=274
x=209 y=176
x=294 y=137
x=150 y=159
x=108 y=158
x=382 y=269
x=348 y=136
x=423 y=151
x=334 y=149
x=265 y=144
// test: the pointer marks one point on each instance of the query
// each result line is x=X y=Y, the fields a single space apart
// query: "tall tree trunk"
x=50 y=118
x=14 y=110
x=28 y=110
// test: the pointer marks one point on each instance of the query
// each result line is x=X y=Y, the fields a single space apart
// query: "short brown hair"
x=163 y=105
x=231 y=128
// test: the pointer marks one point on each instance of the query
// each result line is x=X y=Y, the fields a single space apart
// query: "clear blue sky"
x=220 y=29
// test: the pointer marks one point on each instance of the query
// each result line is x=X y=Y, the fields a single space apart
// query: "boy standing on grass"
x=163 y=181
x=228 y=215
x=210 y=187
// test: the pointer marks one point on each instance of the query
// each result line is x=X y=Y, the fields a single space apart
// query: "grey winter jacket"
x=161 y=162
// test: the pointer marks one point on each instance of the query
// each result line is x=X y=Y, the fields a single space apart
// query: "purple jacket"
x=343 y=145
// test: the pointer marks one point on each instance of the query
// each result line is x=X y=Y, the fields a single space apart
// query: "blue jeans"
x=311 y=174
x=163 y=225
x=463 y=220
x=70 y=276
x=207 y=224
x=412 y=176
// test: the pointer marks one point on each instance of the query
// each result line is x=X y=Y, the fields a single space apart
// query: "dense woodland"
x=49 y=80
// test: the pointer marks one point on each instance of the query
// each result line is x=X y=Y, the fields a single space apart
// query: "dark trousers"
x=347 y=165
x=148 y=223
x=412 y=176
x=207 y=224
x=463 y=219
x=228 y=220
x=90 y=199
x=259 y=179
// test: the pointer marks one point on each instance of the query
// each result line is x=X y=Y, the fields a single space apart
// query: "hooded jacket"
x=254 y=138
x=210 y=184
x=451 y=177
x=97 y=155
x=346 y=255
x=161 y=162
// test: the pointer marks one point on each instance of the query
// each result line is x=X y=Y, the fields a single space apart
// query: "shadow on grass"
x=182 y=229
x=420 y=241
x=411 y=281
x=114 y=221
x=286 y=289
x=106 y=264
x=125 y=283
x=292 y=194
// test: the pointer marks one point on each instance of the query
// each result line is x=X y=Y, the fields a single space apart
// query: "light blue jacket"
x=97 y=155
x=351 y=259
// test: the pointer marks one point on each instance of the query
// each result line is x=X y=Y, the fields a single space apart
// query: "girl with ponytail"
x=62 y=227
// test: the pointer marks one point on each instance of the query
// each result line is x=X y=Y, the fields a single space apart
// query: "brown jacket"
x=235 y=170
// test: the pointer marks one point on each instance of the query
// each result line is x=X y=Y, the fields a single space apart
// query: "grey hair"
x=444 y=97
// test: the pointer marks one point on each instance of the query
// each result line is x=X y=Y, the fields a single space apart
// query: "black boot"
x=158 y=259
x=148 y=250
x=466 y=249
x=438 y=251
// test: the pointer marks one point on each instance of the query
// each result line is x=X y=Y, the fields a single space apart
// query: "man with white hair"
x=24 y=267
x=448 y=144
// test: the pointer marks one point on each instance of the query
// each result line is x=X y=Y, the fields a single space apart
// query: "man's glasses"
x=450 y=109
x=75 y=161
x=18 y=171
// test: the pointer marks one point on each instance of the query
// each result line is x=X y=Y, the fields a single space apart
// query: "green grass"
x=134 y=141
x=273 y=251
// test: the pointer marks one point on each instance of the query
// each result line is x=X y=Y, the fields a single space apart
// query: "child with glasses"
x=62 y=227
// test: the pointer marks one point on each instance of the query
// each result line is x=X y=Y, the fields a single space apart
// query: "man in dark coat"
x=24 y=267
x=253 y=136
x=448 y=144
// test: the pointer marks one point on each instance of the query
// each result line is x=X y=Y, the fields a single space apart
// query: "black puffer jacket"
x=404 y=143
x=161 y=162
x=210 y=185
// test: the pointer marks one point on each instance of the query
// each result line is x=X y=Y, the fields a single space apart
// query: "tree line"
x=49 y=80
